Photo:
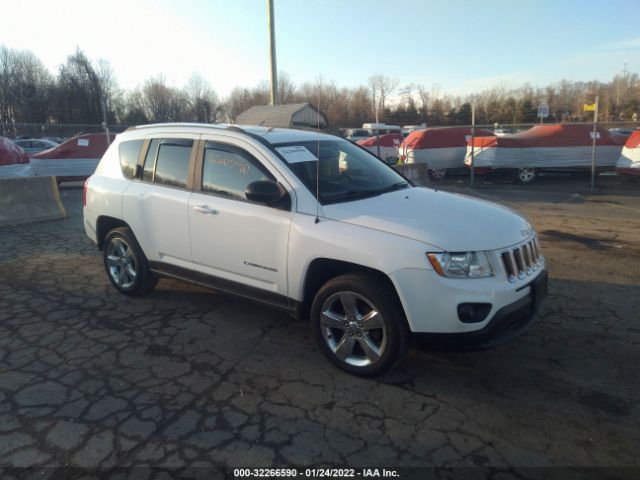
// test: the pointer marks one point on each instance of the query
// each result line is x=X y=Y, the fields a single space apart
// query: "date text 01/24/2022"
x=315 y=473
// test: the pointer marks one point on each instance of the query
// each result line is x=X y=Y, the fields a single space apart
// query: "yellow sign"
x=589 y=108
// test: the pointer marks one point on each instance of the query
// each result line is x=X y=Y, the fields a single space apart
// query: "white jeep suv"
x=344 y=241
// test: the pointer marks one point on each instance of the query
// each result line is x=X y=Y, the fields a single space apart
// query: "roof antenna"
x=318 y=163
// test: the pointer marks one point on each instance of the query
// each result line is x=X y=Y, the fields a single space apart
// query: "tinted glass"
x=172 y=164
x=129 y=153
x=227 y=171
x=347 y=172
x=150 y=160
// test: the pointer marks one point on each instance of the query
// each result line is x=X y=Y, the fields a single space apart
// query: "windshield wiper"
x=396 y=186
x=359 y=194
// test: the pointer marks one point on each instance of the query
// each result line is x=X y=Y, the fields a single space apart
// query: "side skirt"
x=276 y=300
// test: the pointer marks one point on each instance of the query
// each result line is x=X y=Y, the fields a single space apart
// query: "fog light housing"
x=473 y=312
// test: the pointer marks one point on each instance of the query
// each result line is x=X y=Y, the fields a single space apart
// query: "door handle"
x=205 y=209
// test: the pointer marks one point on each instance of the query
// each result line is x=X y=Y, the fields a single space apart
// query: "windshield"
x=347 y=172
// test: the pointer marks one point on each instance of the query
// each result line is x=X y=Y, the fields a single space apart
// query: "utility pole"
x=105 y=125
x=624 y=79
x=593 y=147
x=473 y=138
x=272 y=53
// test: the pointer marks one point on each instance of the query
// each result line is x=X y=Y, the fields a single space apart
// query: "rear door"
x=156 y=205
x=238 y=245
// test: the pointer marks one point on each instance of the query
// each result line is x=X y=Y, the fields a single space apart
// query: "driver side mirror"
x=266 y=192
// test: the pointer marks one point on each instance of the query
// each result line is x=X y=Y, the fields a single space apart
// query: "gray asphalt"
x=188 y=377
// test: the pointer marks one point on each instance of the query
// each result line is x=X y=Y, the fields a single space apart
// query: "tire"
x=526 y=175
x=436 y=174
x=345 y=339
x=125 y=264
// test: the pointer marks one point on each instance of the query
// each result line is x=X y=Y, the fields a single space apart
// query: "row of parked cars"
x=369 y=130
x=527 y=153
x=541 y=148
x=73 y=159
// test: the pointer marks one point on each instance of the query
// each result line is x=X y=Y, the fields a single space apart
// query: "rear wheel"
x=526 y=175
x=125 y=264
x=437 y=173
x=359 y=325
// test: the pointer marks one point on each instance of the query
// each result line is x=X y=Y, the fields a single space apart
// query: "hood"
x=451 y=222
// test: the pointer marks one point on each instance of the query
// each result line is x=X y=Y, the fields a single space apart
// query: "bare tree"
x=238 y=101
x=163 y=103
x=111 y=93
x=381 y=87
x=360 y=106
x=134 y=109
x=24 y=87
x=203 y=100
x=78 y=97
x=286 y=89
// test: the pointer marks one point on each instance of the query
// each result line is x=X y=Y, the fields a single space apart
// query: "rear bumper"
x=505 y=325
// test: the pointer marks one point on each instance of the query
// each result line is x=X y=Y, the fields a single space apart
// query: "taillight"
x=84 y=193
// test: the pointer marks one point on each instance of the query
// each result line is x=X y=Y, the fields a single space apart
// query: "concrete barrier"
x=418 y=173
x=29 y=199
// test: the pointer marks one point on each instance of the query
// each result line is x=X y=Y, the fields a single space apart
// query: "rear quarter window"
x=129 y=153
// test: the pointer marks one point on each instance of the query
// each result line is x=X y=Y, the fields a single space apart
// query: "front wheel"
x=359 y=324
x=125 y=264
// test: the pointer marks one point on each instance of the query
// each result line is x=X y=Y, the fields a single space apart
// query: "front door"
x=237 y=245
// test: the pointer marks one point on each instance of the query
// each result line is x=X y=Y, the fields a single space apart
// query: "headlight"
x=461 y=264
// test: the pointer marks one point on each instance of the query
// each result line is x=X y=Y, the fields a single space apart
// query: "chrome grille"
x=522 y=260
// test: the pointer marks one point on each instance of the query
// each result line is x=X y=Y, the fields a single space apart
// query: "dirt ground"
x=187 y=377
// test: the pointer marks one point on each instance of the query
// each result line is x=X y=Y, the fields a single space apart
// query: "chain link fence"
x=58 y=132
x=572 y=158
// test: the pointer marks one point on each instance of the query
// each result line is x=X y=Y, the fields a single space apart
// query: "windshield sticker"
x=83 y=142
x=296 y=154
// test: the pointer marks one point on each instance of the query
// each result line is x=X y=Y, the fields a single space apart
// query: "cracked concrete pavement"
x=187 y=377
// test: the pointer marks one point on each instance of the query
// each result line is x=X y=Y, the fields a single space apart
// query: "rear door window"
x=167 y=162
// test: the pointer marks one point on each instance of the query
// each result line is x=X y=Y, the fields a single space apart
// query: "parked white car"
x=355 y=134
x=370 y=259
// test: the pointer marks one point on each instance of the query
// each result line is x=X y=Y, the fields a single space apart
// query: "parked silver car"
x=35 y=145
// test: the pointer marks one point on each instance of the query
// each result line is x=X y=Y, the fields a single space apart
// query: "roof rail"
x=176 y=124
x=219 y=126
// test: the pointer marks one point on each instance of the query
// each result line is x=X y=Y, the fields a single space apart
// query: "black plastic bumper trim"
x=506 y=324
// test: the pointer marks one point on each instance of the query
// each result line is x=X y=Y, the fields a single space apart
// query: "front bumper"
x=430 y=301
x=505 y=325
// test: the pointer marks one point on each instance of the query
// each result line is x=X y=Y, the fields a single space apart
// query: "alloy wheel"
x=353 y=329
x=121 y=263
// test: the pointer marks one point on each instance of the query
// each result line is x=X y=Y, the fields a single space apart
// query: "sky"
x=459 y=45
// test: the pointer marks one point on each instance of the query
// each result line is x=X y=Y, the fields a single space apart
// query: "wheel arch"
x=104 y=224
x=321 y=270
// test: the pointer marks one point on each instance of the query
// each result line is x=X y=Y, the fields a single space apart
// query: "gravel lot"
x=187 y=377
